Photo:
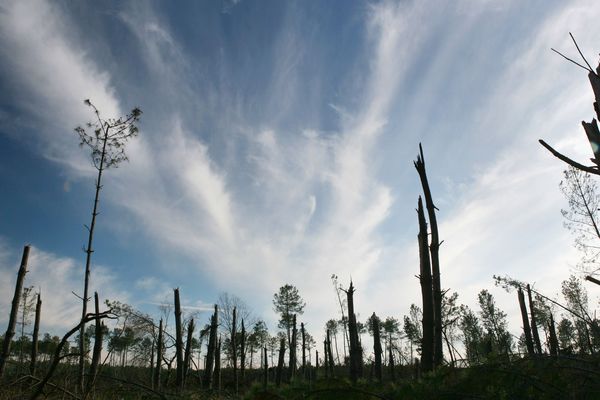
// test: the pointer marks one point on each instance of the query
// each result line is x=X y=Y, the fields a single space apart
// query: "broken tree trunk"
x=355 y=350
x=159 y=354
x=427 y=344
x=434 y=247
x=218 y=365
x=234 y=349
x=243 y=353
x=265 y=369
x=330 y=354
x=14 y=310
x=526 y=327
x=303 y=349
x=377 y=347
x=178 y=341
x=212 y=345
x=280 y=362
x=554 y=349
x=188 y=351
x=34 y=339
x=534 y=330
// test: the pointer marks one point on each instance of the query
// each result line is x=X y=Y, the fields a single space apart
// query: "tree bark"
x=554 y=349
x=12 y=320
x=526 y=327
x=243 y=353
x=188 y=351
x=427 y=344
x=159 y=354
x=234 y=349
x=438 y=352
x=330 y=361
x=293 y=346
x=34 y=339
x=280 y=362
x=97 y=347
x=178 y=341
x=355 y=350
x=212 y=346
x=377 y=347
x=303 y=349
x=218 y=365
x=265 y=369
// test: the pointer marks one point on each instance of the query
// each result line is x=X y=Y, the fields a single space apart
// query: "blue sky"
x=276 y=146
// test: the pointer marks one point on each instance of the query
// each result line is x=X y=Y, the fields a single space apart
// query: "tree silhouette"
x=106 y=138
x=286 y=303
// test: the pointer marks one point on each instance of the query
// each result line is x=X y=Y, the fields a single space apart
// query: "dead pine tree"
x=35 y=335
x=553 y=339
x=234 y=349
x=212 y=346
x=426 y=292
x=526 y=327
x=355 y=350
x=325 y=359
x=14 y=310
x=280 y=360
x=188 y=351
x=590 y=128
x=303 y=333
x=330 y=354
x=106 y=141
x=218 y=365
x=159 y=353
x=434 y=248
x=377 y=350
x=178 y=341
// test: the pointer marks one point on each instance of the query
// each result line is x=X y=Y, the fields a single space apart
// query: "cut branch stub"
x=593 y=135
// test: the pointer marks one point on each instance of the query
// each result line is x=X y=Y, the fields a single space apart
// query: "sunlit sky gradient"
x=277 y=143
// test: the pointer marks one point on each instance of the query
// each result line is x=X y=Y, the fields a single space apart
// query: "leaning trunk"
x=12 y=319
x=34 y=339
x=427 y=345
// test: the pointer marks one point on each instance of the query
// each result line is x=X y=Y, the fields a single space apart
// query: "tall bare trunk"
x=178 y=341
x=159 y=354
x=14 y=310
x=88 y=262
x=330 y=353
x=426 y=293
x=293 y=346
x=438 y=352
x=212 y=346
x=265 y=369
x=526 y=327
x=218 y=365
x=303 y=349
x=234 y=349
x=554 y=349
x=243 y=352
x=34 y=339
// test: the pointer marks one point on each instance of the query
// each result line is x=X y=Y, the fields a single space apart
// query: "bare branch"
x=591 y=170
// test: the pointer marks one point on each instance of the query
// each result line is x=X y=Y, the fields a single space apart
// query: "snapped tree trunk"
x=159 y=354
x=188 y=350
x=212 y=346
x=377 y=347
x=391 y=361
x=234 y=349
x=293 y=346
x=280 y=362
x=427 y=344
x=325 y=359
x=438 y=352
x=355 y=350
x=526 y=327
x=330 y=353
x=178 y=341
x=34 y=338
x=96 y=354
x=218 y=365
x=14 y=310
x=534 y=330
x=303 y=349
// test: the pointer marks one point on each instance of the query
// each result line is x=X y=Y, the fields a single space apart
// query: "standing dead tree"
x=14 y=310
x=280 y=360
x=234 y=349
x=212 y=346
x=107 y=143
x=434 y=248
x=427 y=344
x=355 y=349
x=590 y=128
x=159 y=355
x=293 y=346
x=377 y=346
x=178 y=341
x=34 y=339
x=188 y=350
